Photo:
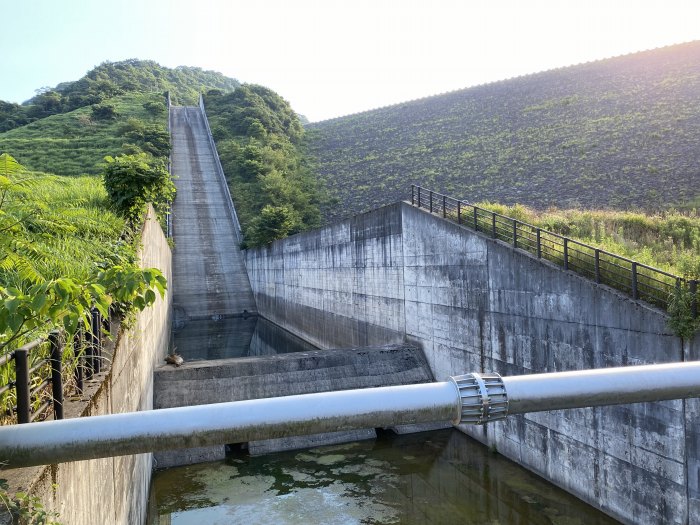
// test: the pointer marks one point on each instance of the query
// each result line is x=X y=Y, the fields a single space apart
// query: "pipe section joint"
x=483 y=398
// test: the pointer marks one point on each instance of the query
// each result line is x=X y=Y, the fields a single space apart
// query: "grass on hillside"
x=614 y=134
x=669 y=241
x=76 y=143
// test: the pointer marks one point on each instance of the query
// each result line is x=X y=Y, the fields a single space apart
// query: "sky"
x=332 y=58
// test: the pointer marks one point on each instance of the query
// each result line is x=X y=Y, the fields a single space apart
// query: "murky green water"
x=234 y=337
x=437 y=477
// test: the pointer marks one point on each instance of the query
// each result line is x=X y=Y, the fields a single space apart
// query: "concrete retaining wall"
x=112 y=490
x=400 y=274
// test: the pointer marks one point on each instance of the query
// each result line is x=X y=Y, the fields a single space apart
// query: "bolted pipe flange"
x=483 y=398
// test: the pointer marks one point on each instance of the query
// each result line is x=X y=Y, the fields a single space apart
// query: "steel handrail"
x=638 y=274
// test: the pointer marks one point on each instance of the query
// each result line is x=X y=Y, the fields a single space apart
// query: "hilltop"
x=117 y=107
x=619 y=133
x=111 y=79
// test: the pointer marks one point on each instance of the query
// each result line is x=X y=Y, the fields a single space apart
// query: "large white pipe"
x=603 y=386
x=473 y=398
x=235 y=422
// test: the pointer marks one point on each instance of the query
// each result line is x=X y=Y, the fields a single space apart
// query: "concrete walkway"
x=209 y=276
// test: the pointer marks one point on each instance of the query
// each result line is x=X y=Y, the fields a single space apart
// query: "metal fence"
x=37 y=381
x=638 y=280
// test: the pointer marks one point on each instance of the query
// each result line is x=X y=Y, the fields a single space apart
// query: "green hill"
x=111 y=79
x=75 y=143
x=619 y=133
x=117 y=107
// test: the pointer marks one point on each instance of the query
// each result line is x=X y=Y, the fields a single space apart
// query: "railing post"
x=79 y=360
x=539 y=244
x=419 y=196
x=693 y=287
x=459 y=212
x=476 y=221
x=413 y=189
x=431 y=201
x=515 y=233
x=493 y=224
x=597 y=266
x=56 y=375
x=95 y=340
x=444 y=206
x=22 y=386
x=566 y=253
x=635 y=294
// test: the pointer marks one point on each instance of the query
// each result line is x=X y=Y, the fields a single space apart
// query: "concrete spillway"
x=209 y=276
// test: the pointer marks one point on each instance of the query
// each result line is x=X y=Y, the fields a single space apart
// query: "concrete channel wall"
x=112 y=490
x=399 y=274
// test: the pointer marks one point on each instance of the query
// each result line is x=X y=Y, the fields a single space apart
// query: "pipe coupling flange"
x=483 y=398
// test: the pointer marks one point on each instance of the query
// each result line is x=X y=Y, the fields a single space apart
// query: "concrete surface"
x=209 y=277
x=399 y=274
x=112 y=490
x=202 y=382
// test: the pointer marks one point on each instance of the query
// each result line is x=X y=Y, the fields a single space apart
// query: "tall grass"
x=669 y=241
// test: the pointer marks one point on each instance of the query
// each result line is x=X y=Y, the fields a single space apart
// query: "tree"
x=274 y=222
x=133 y=180
x=104 y=112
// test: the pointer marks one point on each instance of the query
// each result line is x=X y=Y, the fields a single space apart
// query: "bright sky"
x=329 y=57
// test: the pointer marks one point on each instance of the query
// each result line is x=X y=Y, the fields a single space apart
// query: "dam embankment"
x=401 y=275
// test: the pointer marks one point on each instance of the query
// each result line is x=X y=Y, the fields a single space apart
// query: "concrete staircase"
x=209 y=276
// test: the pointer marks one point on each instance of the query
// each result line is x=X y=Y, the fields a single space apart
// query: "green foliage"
x=261 y=145
x=59 y=256
x=75 y=143
x=618 y=134
x=25 y=509
x=668 y=240
x=274 y=222
x=114 y=79
x=132 y=181
x=103 y=112
x=52 y=226
x=680 y=315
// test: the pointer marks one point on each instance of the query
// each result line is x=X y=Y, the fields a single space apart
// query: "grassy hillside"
x=619 y=133
x=668 y=241
x=76 y=143
x=111 y=79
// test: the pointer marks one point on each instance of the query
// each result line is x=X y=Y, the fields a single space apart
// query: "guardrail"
x=39 y=371
x=638 y=280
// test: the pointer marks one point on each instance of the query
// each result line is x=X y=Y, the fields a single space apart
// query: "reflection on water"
x=234 y=337
x=436 y=477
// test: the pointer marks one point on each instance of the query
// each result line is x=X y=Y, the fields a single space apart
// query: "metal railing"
x=39 y=368
x=636 y=279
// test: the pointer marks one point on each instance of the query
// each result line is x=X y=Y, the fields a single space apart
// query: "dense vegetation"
x=668 y=241
x=76 y=143
x=112 y=79
x=261 y=145
x=620 y=133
